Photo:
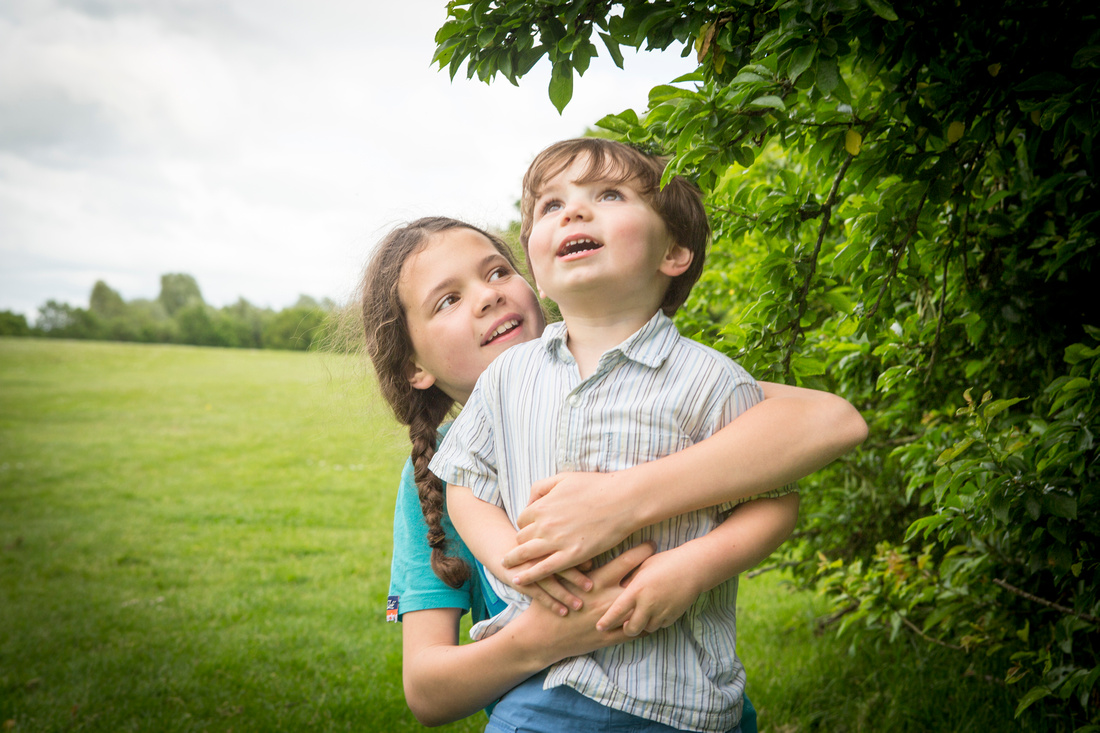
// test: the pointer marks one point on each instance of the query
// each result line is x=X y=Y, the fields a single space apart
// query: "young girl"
x=440 y=300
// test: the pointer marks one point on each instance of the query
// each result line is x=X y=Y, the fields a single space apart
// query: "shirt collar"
x=650 y=345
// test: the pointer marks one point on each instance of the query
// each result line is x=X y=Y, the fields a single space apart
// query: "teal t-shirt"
x=413 y=584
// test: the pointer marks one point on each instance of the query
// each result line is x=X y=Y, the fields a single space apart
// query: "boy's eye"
x=550 y=206
x=611 y=195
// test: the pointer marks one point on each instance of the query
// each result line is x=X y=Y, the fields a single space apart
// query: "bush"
x=905 y=210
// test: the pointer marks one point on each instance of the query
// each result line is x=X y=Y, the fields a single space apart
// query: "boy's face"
x=600 y=245
x=464 y=305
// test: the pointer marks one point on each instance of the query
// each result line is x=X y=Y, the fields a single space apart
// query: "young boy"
x=612 y=386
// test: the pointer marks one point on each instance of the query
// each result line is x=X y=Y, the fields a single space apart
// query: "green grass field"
x=199 y=540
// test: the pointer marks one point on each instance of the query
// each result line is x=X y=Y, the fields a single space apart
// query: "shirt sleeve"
x=467 y=457
x=412 y=580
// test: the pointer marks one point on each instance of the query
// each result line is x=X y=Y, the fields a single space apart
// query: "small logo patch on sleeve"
x=391 y=608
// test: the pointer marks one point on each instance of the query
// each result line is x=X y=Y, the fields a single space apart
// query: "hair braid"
x=422 y=432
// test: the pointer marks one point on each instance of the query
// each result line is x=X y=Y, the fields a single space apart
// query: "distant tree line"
x=179 y=315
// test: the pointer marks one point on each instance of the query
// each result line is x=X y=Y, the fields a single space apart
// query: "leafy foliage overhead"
x=905 y=210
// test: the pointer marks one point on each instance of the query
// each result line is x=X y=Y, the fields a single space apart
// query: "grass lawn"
x=199 y=540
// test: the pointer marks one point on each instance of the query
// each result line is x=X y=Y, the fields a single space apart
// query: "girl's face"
x=464 y=305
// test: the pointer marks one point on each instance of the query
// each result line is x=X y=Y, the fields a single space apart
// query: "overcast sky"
x=261 y=146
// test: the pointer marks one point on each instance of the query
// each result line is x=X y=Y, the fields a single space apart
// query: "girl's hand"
x=576 y=633
x=660 y=592
x=571 y=517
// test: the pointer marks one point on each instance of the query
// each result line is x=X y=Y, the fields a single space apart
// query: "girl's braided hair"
x=391 y=352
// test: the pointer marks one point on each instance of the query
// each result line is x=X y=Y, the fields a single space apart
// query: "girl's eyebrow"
x=448 y=283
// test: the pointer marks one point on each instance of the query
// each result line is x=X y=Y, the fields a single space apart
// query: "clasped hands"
x=573 y=517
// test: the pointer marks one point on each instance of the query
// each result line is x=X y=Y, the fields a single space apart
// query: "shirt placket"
x=574 y=415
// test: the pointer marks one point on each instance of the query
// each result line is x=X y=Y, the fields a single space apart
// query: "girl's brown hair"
x=390 y=349
x=679 y=203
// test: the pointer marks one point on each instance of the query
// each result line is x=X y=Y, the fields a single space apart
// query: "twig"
x=926 y=637
x=898 y=252
x=1044 y=602
x=943 y=312
x=826 y=216
x=832 y=618
x=768 y=569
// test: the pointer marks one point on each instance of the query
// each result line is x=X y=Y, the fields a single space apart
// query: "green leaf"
x=665 y=92
x=768 y=101
x=882 y=9
x=616 y=123
x=996 y=407
x=1061 y=505
x=801 y=59
x=1033 y=696
x=827 y=74
x=561 y=85
x=954 y=451
x=613 y=49
x=927 y=524
x=743 y=155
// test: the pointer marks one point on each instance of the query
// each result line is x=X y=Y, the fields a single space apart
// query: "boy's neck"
x=591 y=334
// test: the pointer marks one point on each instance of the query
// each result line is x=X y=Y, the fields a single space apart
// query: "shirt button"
x=574 y=399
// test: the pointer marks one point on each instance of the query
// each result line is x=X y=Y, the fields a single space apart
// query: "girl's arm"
x=669 y=582
x=489 y=535
x=576 y=516
x=445 y=681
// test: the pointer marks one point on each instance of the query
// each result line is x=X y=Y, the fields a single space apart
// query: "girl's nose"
x=488 y=297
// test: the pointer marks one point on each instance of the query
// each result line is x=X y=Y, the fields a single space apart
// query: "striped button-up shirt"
x=532 y=416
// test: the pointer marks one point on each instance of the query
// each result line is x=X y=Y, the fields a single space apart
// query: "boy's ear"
x=418 y=377
x=677 y=260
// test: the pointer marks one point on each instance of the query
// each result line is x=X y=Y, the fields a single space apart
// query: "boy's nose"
x=575 y=210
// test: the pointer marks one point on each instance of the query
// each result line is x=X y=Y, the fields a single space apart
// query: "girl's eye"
x=611 y=195
x=445 y=302
x=499 y=272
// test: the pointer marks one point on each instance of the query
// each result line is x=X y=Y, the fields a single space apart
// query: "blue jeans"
x=530 y=709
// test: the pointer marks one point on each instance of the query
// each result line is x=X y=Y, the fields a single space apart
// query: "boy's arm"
x=575 y=516
x=486 y=530
x=668 y=583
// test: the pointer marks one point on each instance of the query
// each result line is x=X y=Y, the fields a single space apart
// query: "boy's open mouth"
x=576 y=246
x=501 y=331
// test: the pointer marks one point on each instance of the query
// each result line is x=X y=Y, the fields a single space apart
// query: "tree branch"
x=832 y=618
x=769 y=568
x=826 y=217
x=926 y=637
x=899 y=250
x=1043 y=602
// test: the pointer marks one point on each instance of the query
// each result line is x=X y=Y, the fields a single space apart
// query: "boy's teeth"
x=579 y=245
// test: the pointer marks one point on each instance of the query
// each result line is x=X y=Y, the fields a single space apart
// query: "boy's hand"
x=572 y=517
x=660 y=591
x=556 y=591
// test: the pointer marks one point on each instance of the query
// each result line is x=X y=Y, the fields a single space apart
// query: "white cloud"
x=260 y=146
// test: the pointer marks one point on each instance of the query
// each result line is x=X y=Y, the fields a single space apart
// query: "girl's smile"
x=464 y=305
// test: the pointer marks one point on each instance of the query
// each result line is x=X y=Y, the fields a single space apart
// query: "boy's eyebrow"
x=450 y=282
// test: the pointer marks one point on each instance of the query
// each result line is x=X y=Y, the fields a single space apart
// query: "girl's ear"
x=676 y=261
x=418 y=377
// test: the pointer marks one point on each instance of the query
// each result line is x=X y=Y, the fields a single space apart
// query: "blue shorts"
x=530 y=709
